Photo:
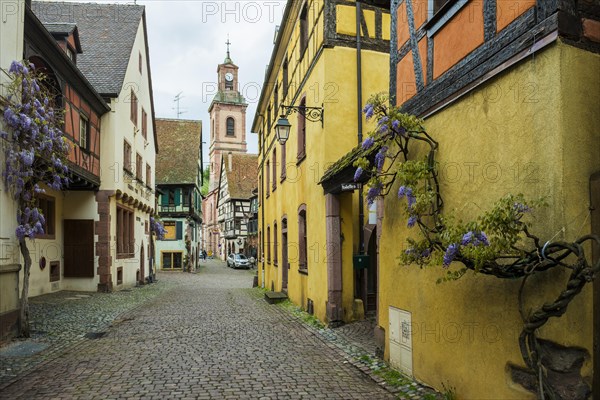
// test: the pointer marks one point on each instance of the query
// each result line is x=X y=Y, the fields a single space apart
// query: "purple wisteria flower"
x=358 y=173
x=475 y=238
x=395 y=124
x=412 y=221
x=373 y=192
x=368 y=143
x=380 y=157
x=426 y=253
x=450 y=254
x=521 y=208
x=368 y=110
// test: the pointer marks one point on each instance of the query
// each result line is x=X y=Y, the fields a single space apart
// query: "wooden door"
x=79 y=248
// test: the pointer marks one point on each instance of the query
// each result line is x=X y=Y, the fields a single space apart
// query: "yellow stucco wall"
x=531 y=130
x=332 y=84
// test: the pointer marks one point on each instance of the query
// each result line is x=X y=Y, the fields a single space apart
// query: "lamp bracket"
x=313 y=114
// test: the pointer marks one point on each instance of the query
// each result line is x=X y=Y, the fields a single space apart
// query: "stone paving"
x=201 y=336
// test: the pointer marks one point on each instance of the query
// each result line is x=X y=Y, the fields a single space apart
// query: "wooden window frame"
x=283 y=161
x=126 y=156
x=133 y=110
x=302 y=240
x=268 y=244
x=303 y=35
x=274 y=166
x=47 y=206
x=125 y=232
x=84 y=132
x=275 y=258
x=268 y=192
x=139 y=163
x=301 y=134
x=144 y=124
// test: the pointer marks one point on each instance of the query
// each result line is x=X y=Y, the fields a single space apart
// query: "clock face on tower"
x=229 y=77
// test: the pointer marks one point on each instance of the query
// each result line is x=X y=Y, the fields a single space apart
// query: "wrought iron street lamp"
x=282 y=128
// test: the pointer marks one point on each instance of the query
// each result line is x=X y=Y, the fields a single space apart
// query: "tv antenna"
x=177 y=99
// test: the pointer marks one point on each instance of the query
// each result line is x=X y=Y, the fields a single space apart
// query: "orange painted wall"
x=461 y=35
x=508 y=10
x=403 y=34
x=406 y=86
x=73 y=105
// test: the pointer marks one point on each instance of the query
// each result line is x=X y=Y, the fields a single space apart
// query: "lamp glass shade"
x=282 y=129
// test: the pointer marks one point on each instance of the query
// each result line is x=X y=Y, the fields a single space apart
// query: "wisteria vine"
x=157 y=228
x=498 y=243
x=36 y=151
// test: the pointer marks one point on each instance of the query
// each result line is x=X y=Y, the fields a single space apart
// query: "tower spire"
x=228 y=58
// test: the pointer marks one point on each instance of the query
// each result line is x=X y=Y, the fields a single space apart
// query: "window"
x=54 y=271
x=148 y=176
x=276 y=97
x=125 y=232
x=134 y=108
x=230 y=126
x=47 y=206
x=274 y=169
x=126 y=156
x=172 y=260
x=269 y=116
x=285 y=82
x=186 y=197
x=302 y=248
x=268 y=244
x=144 y=124
x=283 y=167
x=84 y=132
x=275 y=243
x=138 y=167
x=303 y=29
x=140 y=62
x=71 y=54
x=302 y=130
x=268 y=177
x=174 y=230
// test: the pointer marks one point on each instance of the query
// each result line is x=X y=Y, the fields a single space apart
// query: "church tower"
x=227 y=118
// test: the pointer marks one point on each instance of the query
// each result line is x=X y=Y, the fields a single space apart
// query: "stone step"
x=275 y=297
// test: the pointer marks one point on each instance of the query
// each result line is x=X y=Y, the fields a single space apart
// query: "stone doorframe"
x=335 y=311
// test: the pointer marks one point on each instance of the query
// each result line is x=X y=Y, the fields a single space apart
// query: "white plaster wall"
x=117 y=127
x=51 y=249
x=11 y=48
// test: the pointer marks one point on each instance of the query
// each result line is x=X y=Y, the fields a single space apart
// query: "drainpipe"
x=361 y=216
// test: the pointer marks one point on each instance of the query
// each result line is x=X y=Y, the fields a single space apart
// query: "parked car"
x=238 y=260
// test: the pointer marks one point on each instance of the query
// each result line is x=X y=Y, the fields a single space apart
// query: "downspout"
x=361 y=215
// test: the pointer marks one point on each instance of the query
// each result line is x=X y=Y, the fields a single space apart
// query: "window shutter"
x=164 y=198
x=179 y=230
x=177 y=197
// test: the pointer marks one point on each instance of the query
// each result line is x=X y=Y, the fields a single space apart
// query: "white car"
x=238 y=260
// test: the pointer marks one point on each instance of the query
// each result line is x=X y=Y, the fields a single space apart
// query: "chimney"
x=229 y=161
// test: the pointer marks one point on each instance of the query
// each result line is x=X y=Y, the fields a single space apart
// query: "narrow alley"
x=203 y=336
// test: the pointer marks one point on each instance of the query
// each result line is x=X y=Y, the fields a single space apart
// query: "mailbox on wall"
x=361 y=261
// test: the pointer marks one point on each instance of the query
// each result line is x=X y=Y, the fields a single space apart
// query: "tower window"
x=230 y=127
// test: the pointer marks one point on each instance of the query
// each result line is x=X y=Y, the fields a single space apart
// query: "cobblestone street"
x=203 y=336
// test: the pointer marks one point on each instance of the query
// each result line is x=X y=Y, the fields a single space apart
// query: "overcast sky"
x=187 y=42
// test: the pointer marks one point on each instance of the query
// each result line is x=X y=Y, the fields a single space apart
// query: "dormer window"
x=71 y=54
